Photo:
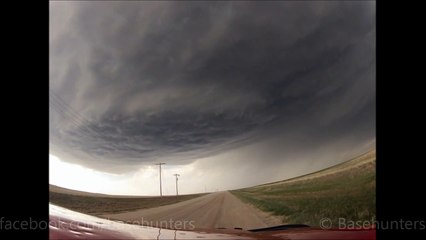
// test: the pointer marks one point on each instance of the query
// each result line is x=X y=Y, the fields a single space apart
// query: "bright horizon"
x=145 y=181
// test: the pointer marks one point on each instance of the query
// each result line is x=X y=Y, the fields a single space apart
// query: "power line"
x=81 y=124
x=74 y=116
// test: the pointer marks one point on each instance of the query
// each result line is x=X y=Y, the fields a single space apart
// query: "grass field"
x=95 y=205
x=347 y=190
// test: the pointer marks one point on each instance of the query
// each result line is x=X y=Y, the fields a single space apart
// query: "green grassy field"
x=347 y=190
x=95 y=205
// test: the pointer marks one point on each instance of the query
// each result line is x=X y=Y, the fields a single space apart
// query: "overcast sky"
x=229 y=94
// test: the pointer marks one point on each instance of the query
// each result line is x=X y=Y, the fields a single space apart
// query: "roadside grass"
x=348 y=194
x=106 y=205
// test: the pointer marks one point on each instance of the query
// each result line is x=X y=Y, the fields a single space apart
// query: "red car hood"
x=67 y=224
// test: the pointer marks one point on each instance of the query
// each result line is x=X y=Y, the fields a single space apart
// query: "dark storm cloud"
x=135 y=82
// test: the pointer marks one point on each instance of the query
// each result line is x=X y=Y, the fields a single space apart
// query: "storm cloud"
x=133 y=83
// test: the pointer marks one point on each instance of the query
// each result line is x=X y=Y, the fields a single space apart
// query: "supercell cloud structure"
x=133 y=83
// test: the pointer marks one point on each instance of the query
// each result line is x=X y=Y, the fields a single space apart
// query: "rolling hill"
x=346 y=190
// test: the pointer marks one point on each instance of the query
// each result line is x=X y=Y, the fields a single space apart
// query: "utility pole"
x=161 y=191
x=176 y=175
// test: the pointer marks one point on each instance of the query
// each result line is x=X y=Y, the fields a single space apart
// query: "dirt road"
x=216 y=210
